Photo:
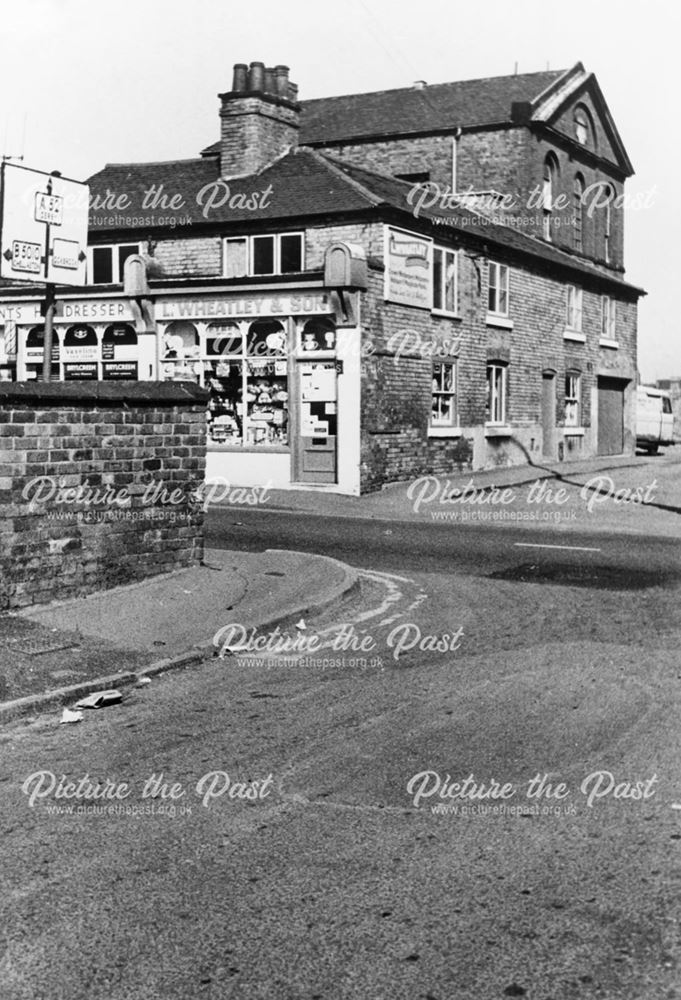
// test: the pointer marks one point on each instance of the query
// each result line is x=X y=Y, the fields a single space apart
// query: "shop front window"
x=180 y=352
x=248 y=382
x=318 y=335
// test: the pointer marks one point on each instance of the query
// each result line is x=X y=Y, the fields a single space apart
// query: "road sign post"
x=43 y=235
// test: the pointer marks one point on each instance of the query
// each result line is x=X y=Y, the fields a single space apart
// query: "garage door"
x=610 y=416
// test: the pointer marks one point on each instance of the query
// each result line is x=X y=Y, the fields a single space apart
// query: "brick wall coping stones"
x=39 y=394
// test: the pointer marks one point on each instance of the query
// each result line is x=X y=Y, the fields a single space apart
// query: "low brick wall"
x=97 y=485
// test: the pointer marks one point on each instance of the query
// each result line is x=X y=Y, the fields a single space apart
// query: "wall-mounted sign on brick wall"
x=408 y=271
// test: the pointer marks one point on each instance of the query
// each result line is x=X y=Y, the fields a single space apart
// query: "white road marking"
x=676 y=805
x=569 y=548
x=386 y=576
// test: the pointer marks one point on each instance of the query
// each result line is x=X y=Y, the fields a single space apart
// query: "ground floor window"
x=248 y=381
x=497 y=379
x=443 y=411
x=573 y=398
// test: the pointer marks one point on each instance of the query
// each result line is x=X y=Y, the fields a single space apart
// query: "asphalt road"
x=402 y=546
x=400 y=843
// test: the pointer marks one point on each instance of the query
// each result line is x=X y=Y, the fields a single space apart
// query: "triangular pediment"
x=574 y=106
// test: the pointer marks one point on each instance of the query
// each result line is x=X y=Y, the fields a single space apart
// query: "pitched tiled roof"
x=434 y=107
x=300 y=183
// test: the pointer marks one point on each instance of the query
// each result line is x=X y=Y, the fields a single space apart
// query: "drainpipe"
x=455 y=150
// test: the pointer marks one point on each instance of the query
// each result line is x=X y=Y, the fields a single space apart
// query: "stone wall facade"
x=97 y=485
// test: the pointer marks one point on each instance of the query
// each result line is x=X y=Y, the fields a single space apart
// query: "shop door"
x=610 y=416
x=315 y=443
x=548 y=415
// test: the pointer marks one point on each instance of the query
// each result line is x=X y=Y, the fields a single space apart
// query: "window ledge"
x=574 y=431
x=444 y=432
x=498 y=430
x=606 y=342
x=446 y=314
x=574 y=335
x=492 y=319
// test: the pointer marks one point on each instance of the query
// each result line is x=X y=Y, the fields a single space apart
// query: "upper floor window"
x=497 y=290
x=573 y=307
x=582 y=126
x=607 y=224
x=280 y=253
x=578 y=210
x=444 y=280
x=608 y=318
x=105 y=263
x=548 y=193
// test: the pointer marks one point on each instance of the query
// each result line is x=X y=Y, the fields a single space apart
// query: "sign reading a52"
x=48 y=208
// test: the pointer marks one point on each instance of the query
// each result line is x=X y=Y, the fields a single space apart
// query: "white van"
x=654 y=418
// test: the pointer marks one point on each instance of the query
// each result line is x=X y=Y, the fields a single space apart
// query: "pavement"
x=53 y=655
x=639 y=494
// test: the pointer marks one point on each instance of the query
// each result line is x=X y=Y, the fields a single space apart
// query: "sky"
x=86 y=82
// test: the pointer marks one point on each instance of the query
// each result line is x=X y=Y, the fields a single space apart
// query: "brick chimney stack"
x=259 y=118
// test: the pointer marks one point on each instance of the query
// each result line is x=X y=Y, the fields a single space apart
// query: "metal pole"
x=47 y=344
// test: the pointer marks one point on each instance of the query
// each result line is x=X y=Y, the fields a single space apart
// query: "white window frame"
x=573 y=308
x=499 y=287
x=250 y=252
x=446 y=255
x=453 y=394
x=116 y=276
x=573 y=399
x=498 y=400
x=608 y=336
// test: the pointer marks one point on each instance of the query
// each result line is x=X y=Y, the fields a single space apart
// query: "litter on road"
x=100 y=699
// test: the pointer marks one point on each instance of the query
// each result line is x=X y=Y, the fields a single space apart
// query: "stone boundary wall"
x=98 y=485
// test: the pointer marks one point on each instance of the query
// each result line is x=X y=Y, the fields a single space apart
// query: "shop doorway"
x=315 y=445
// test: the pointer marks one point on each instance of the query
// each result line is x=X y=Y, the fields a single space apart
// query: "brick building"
x=374 y=286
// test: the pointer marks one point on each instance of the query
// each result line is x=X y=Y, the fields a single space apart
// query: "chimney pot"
x=270 y=81
x=256 y=76
x=239 y=80
x=282 y=82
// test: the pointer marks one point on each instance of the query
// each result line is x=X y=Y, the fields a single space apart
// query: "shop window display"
x=318 y=335
x=180 y=352
x=246 y=370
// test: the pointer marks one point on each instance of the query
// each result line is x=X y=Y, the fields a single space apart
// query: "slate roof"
x=300 y=183
x=435 y=107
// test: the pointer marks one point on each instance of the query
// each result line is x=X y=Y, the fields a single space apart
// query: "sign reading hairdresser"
x=408 y=272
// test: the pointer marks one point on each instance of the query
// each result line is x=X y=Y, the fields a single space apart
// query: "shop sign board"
x=408 y=272
x=80 y=371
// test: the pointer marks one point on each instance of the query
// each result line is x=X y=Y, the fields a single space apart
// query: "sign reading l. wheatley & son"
x=408 y=272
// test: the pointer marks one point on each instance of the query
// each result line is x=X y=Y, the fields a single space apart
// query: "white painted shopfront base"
x=249 y=468
x=272 y=470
